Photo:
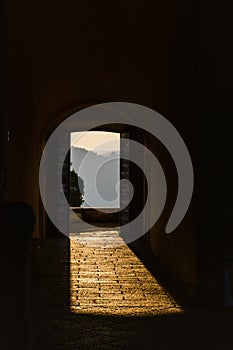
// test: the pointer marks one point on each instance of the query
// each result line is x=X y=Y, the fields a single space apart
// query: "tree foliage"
x=76 y=189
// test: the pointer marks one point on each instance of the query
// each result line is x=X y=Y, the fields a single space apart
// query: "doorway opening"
x=106 y=279
x=95 y=155
x=94 y=188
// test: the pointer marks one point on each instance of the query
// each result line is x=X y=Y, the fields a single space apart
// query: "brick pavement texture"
x=114 y=281
x=94 y=297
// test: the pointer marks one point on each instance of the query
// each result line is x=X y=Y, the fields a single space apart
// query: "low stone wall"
x=97 y=215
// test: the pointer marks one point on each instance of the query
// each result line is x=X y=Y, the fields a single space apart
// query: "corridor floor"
x=88 y=297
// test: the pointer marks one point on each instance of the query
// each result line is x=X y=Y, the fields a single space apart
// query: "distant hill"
x=106 y=179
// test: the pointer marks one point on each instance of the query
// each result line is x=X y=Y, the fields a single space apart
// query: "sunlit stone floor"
x=114 y=281
x=104 y=298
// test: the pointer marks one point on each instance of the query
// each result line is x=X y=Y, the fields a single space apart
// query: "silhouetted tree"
x=76 y=189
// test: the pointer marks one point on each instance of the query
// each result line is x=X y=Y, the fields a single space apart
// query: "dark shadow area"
x=215 y=256
x=166 y=279
x=16 y=225
x=49 y=289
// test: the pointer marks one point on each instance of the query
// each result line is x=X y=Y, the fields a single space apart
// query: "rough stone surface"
x=106 y=298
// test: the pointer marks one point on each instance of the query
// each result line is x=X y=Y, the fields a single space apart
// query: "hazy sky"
x=97 y=141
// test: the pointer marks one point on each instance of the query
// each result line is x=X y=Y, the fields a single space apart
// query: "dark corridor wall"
x=59 y=57
x=172 y=56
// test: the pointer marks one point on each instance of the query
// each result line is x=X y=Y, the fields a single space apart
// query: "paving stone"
x=88 y=298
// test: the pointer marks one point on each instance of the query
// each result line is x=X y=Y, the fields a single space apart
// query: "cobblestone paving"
x=114 y=281
x=87 y=298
